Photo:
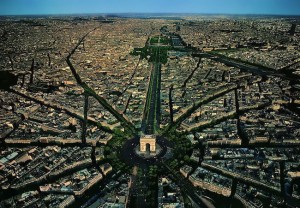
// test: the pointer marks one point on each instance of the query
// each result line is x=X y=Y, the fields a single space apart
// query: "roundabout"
x=132 y=155
x=148 y=154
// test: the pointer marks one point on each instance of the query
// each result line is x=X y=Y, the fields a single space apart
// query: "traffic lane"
x=150 y=120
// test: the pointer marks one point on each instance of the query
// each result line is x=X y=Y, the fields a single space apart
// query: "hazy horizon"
x=222 y=7
x=124 y=14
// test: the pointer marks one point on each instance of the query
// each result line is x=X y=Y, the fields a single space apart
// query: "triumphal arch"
x=148 y=140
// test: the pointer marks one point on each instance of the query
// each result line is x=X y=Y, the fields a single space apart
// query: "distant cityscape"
x=150 y=110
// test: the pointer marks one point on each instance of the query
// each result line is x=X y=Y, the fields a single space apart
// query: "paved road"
x=251 y=68
x=150 y=124
x=139 y=190
x=152 y=107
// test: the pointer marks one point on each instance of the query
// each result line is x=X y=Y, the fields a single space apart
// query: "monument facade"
x=150 y=140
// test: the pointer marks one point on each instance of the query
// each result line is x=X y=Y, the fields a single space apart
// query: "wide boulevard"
x=152 y=107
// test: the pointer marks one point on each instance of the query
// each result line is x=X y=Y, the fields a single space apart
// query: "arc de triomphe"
x=148 y=139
